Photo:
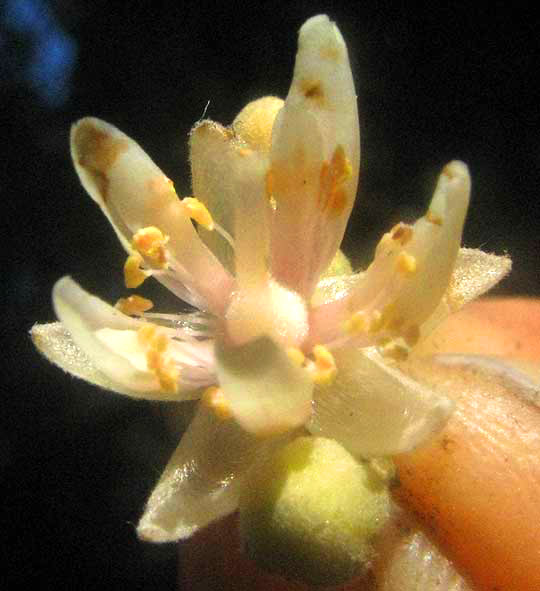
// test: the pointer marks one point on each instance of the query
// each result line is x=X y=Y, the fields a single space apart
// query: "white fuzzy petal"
x=412 y=268
x=56 y=343
x=267 y=392
x=317 y=126
x=101 y=332
x=373 y=409
x=408 y=560
x=133 y=193
x=202 y=480
x=475 y=273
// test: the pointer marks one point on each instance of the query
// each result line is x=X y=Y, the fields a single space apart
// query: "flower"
x=286 y=337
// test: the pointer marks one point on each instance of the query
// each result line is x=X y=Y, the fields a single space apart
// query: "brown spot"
x=330 y=52
x=434 y=218
x=97 y=151
x=412 y=335
x=312 y=89
x=448 y=444
x=337 y=201
x=401 y=232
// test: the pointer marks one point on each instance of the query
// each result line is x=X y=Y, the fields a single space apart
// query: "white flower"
x=277 y=344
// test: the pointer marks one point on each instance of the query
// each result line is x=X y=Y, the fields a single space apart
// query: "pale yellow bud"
x=255 y=121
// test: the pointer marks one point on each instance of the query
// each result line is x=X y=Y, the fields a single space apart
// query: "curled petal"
x=134 y=194
x=374 y=409
x=314 y=158
x=267 y=392
x=202 y=480
x=112 y=343
x=209 y=147
x=56 y=343
x=412 y=268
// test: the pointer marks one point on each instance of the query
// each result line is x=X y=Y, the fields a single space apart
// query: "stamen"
x=150 y=242
x=296 y=356
x=134 y=305
x=214 y=399
x=406 y=263
x=145 y=334
x=157 y=361
x=198 y=212
x=325 y=366
x=133 y=274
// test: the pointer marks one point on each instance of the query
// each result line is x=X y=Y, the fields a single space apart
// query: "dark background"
x=76 y=464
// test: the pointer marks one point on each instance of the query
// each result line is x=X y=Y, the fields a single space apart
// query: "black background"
x=434 y=83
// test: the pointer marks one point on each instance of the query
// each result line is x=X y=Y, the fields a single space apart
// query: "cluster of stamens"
x=157 y=360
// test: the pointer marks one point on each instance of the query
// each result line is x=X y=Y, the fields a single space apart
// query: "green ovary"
x=312 y=511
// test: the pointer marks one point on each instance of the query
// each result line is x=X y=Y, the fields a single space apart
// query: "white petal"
x=209 y=145
x=373 y=409
x=407 y=560
x=91 y=322
x=134 y=193
x=316 y=132
x=267 y=392
x=475 y=273
x=202 y=480
x=55 y=342
x=412 y=268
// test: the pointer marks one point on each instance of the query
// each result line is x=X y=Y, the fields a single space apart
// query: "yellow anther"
x=214 y=399
x=325 y=365
x=197 y=211
x=296 y=356
x=150 y=242
x=395 y=351
x=153 y=360
x=146 y=333
x=156 y=344
x=133 y=274
x=333 y=197
x=168 y=376
x=406 y=263
x=357 y=324
x=161 y=342
x=134 y=305
x=434 y=218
